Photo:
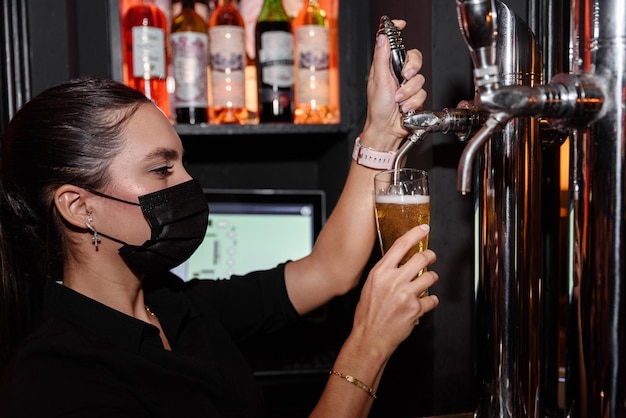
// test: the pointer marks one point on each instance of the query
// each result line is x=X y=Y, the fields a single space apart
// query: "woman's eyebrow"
x=167 y=153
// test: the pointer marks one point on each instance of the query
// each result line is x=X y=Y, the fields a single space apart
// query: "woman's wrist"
x=368 y=350
x=379 y=141
x=371 y=158
x=362 y=360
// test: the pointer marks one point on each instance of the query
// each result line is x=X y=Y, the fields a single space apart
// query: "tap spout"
x=494 y=123
x=415 y=137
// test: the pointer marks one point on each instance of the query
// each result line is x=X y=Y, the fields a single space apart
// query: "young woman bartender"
x=96 y=207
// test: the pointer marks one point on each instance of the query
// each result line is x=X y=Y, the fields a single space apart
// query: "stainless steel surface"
x=494 y=124
x=588 y=103
x=477 y=21
x=508 y=189
x=597 y=386
x=462 y=121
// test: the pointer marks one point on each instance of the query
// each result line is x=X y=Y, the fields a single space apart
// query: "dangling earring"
x=95 y=239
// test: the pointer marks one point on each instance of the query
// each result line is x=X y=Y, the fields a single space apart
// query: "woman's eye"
x=163 y=171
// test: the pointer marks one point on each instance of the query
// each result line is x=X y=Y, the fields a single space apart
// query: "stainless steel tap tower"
x=502 y=165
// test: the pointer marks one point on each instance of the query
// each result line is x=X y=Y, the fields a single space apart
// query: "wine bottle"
x=227 y=41
x=145 y=57
x=190 y=46
x=312 y=56
x=274 y=52
x=202 y=7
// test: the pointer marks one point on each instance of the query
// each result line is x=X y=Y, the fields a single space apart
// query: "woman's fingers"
x=404 y=243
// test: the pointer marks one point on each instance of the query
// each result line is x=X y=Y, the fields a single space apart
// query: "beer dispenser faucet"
x=568 y=101
x=461 y=120
x=398 y=56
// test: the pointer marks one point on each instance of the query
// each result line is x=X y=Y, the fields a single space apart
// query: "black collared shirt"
x=88 y=360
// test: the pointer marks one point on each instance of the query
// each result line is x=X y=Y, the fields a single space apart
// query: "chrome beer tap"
x=567 y=101
x=462 y=120
x=515 y=361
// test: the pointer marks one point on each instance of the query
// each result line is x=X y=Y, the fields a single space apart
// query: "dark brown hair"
x=68 y=134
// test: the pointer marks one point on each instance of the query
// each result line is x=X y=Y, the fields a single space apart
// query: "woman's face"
x=150 y=160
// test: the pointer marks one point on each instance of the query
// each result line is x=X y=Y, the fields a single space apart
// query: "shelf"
x=256 y=129
x=258 y=143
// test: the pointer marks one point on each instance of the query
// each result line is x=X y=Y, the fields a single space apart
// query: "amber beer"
x=402 y=202
x=396 y=214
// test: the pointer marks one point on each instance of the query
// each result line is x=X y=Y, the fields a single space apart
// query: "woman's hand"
x=391 y=303
x=387 y=100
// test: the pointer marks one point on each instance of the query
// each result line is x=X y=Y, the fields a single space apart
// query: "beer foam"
x=415 y=199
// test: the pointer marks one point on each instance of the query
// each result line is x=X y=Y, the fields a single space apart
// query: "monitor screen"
x=255 y=229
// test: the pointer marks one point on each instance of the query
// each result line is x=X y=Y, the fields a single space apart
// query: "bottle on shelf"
x=202 y=7
x=190 y=45
x=228 y=60
x=312 y=59
x=249 y=11
x=144 y=34
x=274 y=54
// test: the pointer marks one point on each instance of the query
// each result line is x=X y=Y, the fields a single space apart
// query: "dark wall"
x=433 y=29
x=68 y=38
x=452 y=82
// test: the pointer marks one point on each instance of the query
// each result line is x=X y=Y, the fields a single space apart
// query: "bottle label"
x=148 y=52
x=227 y=46
x=312 y=49
x=189 y=60
x=276 y=58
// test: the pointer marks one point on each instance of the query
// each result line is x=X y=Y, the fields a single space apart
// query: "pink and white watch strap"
x=365 y=156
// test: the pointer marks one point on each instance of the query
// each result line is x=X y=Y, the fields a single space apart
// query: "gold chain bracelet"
x=356 y=382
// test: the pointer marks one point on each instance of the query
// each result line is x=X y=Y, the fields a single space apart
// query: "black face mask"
x=178 y=218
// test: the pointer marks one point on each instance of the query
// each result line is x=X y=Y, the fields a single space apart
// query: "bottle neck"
x=189 y=4
x=272 y=10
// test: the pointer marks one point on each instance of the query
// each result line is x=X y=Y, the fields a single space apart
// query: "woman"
x=97 y=207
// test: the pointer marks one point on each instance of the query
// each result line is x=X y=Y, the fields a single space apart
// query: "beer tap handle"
x=478 y=24
x=398 y=52
x=398 y=57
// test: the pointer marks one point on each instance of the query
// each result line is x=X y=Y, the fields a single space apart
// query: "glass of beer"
x=402 y=202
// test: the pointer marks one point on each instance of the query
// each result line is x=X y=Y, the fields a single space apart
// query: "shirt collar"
x=94 y=317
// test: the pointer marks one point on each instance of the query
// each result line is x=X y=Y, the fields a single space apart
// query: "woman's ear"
x=71 y=203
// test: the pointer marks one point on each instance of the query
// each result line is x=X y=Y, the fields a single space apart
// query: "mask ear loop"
x=95 y=239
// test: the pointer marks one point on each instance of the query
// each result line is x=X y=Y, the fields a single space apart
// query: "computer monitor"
x=255 y=229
